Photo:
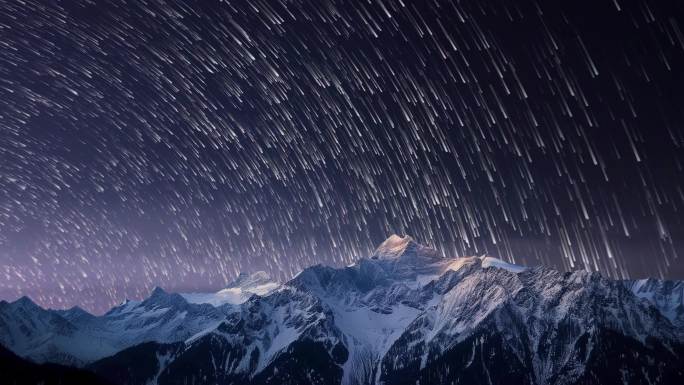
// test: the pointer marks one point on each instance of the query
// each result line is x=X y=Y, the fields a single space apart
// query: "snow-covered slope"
x=405 y=315
x=162 y=317
x=238 y=291
x=76 y=337
x=45 y=336
x=667 y=296
x=406 y=310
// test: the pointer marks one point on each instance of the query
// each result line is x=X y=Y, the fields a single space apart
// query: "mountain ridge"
x=404 y=314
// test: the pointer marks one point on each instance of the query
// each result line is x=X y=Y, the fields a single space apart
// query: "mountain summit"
x=405 y=315
x=397 y=247
x=238 y=291
x=254 y=280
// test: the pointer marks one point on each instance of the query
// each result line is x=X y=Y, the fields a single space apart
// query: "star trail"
x=176 y=143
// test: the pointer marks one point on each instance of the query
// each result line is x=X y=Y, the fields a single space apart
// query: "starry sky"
x=176 y=143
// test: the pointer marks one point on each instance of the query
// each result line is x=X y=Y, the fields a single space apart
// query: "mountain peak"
x=74 y=313
x=246 y=280
x=157 y=291
x=488 y=261
x=162 y=298
x=25 y=302
x=238 y=291
x=396 y=247
x=76 y=310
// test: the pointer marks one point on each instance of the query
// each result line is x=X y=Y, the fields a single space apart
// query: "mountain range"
x=405 y=315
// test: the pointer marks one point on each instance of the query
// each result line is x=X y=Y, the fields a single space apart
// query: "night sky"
x=177 y=143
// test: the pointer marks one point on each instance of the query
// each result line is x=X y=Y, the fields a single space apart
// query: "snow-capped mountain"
x=239 y=291
x=667 y=296
x=76 y=337
x=406 y=315
x=30 y=331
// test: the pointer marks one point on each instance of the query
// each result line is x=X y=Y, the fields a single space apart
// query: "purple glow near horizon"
x=177 y=143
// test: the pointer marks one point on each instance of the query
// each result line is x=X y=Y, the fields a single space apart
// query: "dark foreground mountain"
x=407 y=316
x=15 y=370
